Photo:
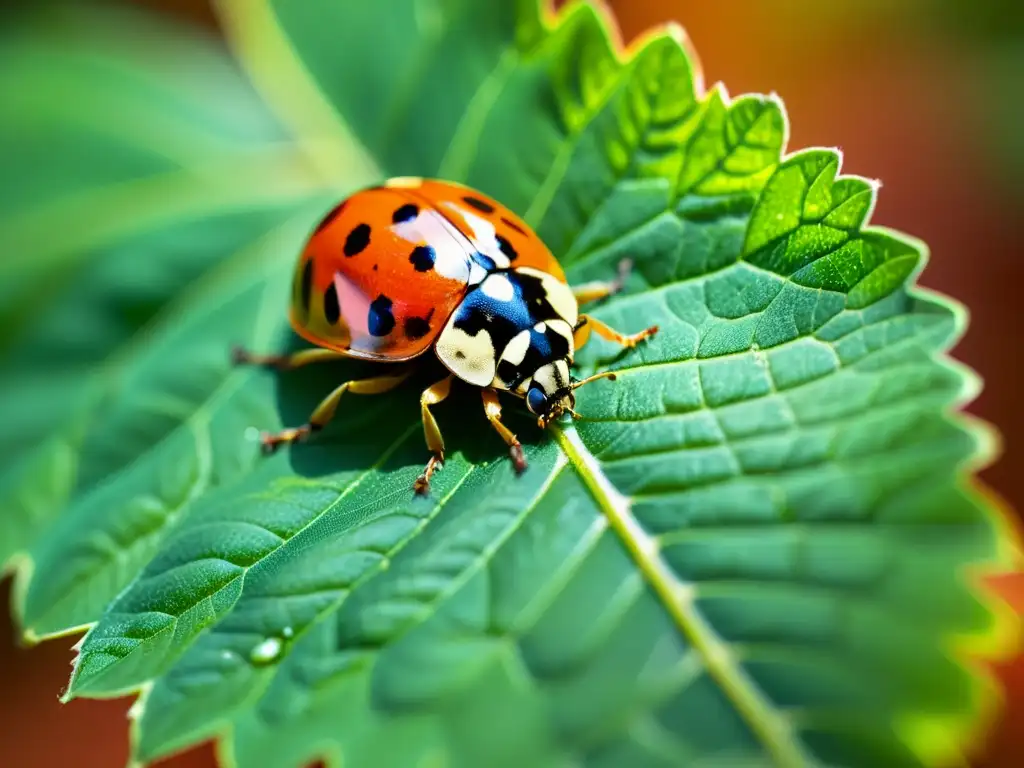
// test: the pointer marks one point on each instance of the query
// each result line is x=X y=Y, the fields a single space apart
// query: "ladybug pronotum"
x=417 y=264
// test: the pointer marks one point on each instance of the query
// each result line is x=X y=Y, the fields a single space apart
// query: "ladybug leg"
x=599 y=289
x=586 y=324
x=492 y=407
x=242 y=356
x=325 y=411
x=432 y=395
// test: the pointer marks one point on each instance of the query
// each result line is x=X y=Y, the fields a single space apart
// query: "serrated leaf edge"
x=612 y=503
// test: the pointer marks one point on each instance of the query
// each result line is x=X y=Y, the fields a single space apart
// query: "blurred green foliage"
x=750 y=551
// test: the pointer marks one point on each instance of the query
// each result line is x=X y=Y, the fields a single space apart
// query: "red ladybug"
x=417 y=264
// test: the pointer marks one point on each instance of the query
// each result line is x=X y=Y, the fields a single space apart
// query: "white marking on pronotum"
x=515 y=350
x=471 y=358
x=559 y=295
x=564 y=330
x=499 y=288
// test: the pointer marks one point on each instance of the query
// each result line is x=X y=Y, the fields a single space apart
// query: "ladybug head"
x=551 y=392
x=549 y=407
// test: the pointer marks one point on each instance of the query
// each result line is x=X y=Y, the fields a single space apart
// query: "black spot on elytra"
x=422 y=257
x=332 y=309
x=513 y=225
x=357 y=240
x=380 y=321
x=481 y=205
x=417 y=327
x=306 y=285
x=327 y=220
x=405 y=213
x=506 y=248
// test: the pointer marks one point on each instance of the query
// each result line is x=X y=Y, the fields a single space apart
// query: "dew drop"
x=779 y=216
x=287 y=632
x=267 y=651
x=252 y=434
x=226 y=655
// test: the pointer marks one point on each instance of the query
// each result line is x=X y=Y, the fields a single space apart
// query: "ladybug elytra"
x=397 y=269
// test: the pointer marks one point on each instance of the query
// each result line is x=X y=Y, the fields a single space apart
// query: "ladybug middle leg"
x=586 y=324
x=493 y=410
x=432 y=395
x=600 y=289
x=325 y=411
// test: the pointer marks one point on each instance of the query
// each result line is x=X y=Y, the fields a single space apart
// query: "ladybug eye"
x=536 y=400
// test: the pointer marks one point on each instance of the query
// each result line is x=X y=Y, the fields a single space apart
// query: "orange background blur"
x=918 y=94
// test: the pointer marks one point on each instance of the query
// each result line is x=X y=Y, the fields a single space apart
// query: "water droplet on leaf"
x=267 y=651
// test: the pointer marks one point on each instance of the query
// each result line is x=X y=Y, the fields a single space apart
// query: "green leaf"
x=751 y=550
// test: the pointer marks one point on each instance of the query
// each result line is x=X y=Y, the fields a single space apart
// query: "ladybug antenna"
x=604 y=375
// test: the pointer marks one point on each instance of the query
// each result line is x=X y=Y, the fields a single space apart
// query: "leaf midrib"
x=773 y=730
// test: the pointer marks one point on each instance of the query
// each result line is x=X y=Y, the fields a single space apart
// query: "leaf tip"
x=29 y=638
x=138 y=706
x=677 y=32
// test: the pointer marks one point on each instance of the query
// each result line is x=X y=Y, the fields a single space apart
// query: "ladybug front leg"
x=325 y=411
x=432 y=395
x=600 y=289
x=586 y=324
x=492 y=407
x=242 y=356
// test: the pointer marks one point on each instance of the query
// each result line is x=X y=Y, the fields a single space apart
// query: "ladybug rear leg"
x=432 y=395
x=492 y=407
x=586 y=324
x=242 y=356
x=600 y=289
x=325 y=411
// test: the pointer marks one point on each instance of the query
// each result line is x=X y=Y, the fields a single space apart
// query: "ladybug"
x=415 y=264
